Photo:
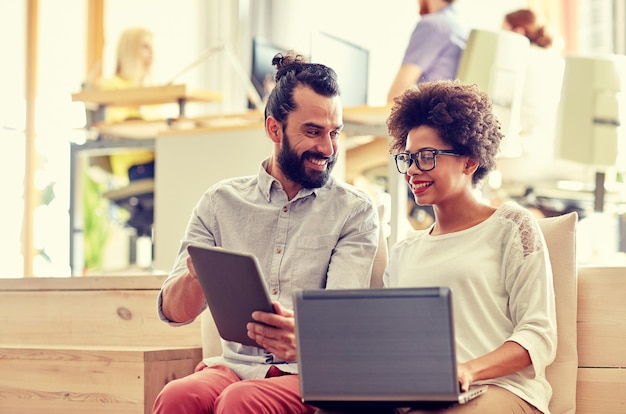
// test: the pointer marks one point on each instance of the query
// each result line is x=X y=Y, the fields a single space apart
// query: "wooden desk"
x=366 y=120
x=153 y=95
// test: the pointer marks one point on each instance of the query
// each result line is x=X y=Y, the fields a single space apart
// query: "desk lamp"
x=235 y=64
x=591 y=127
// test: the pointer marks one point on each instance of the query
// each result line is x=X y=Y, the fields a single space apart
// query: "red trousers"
x=217 y=390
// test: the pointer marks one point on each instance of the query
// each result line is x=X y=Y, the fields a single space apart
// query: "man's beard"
x=292 y=166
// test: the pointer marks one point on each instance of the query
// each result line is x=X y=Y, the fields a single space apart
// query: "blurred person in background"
x=133 y=66
x=542 y=82
x=434 y=49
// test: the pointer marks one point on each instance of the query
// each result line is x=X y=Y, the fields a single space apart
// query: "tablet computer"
x=233 y=286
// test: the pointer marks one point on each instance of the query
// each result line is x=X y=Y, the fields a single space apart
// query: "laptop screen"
x=376 y=344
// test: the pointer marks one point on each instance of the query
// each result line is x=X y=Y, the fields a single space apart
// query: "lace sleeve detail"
x=529 y=240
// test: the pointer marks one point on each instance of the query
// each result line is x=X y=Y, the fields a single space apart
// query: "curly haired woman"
x=445 y=140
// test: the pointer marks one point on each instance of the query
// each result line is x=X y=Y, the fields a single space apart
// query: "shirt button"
x=279 y=250
x=274 y=291
x=285 y=209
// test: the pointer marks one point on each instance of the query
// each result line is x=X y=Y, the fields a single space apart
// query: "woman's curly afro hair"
x=461 y=114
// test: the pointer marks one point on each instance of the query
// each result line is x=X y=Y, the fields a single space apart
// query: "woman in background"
x=541 y=94
x=527 y=23
x=542 y=83
x=132 y=70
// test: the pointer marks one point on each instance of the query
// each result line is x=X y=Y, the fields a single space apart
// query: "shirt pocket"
x=324 y=242
x=311 y=268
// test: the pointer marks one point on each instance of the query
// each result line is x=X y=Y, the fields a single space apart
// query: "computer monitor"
x=262 y=71
x=496 y=62
x=350 y=61
x=592 y=115
x=592 y=111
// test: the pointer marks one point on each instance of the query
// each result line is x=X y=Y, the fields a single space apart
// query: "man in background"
x=434 y=48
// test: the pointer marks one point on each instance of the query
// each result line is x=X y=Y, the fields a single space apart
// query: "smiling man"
x=307 y=230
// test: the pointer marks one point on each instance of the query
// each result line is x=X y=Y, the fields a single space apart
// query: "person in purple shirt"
x=434 y=48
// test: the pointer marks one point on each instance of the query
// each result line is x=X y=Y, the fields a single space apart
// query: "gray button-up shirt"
x=322 y=238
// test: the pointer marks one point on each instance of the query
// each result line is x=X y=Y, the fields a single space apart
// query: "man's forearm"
x=183 y=299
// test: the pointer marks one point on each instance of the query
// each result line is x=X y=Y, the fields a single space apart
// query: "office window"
x=596 y=26
x=620 y=27
x=60 y=62
x=12 y=155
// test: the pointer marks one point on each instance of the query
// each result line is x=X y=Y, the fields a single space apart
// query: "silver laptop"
x=378 y=347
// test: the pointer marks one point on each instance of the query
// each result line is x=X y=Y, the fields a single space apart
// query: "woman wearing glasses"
x=445 y=139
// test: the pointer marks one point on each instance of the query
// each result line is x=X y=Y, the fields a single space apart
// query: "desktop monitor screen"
x=350 y=61
x=262 y=73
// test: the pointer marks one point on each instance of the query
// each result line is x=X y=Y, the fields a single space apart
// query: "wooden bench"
x=96 y=345
x=88 y=345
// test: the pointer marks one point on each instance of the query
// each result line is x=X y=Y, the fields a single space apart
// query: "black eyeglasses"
x=425 y=159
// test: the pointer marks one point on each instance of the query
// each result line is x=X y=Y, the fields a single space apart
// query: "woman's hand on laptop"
x=275 y=332
x=465 y=376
